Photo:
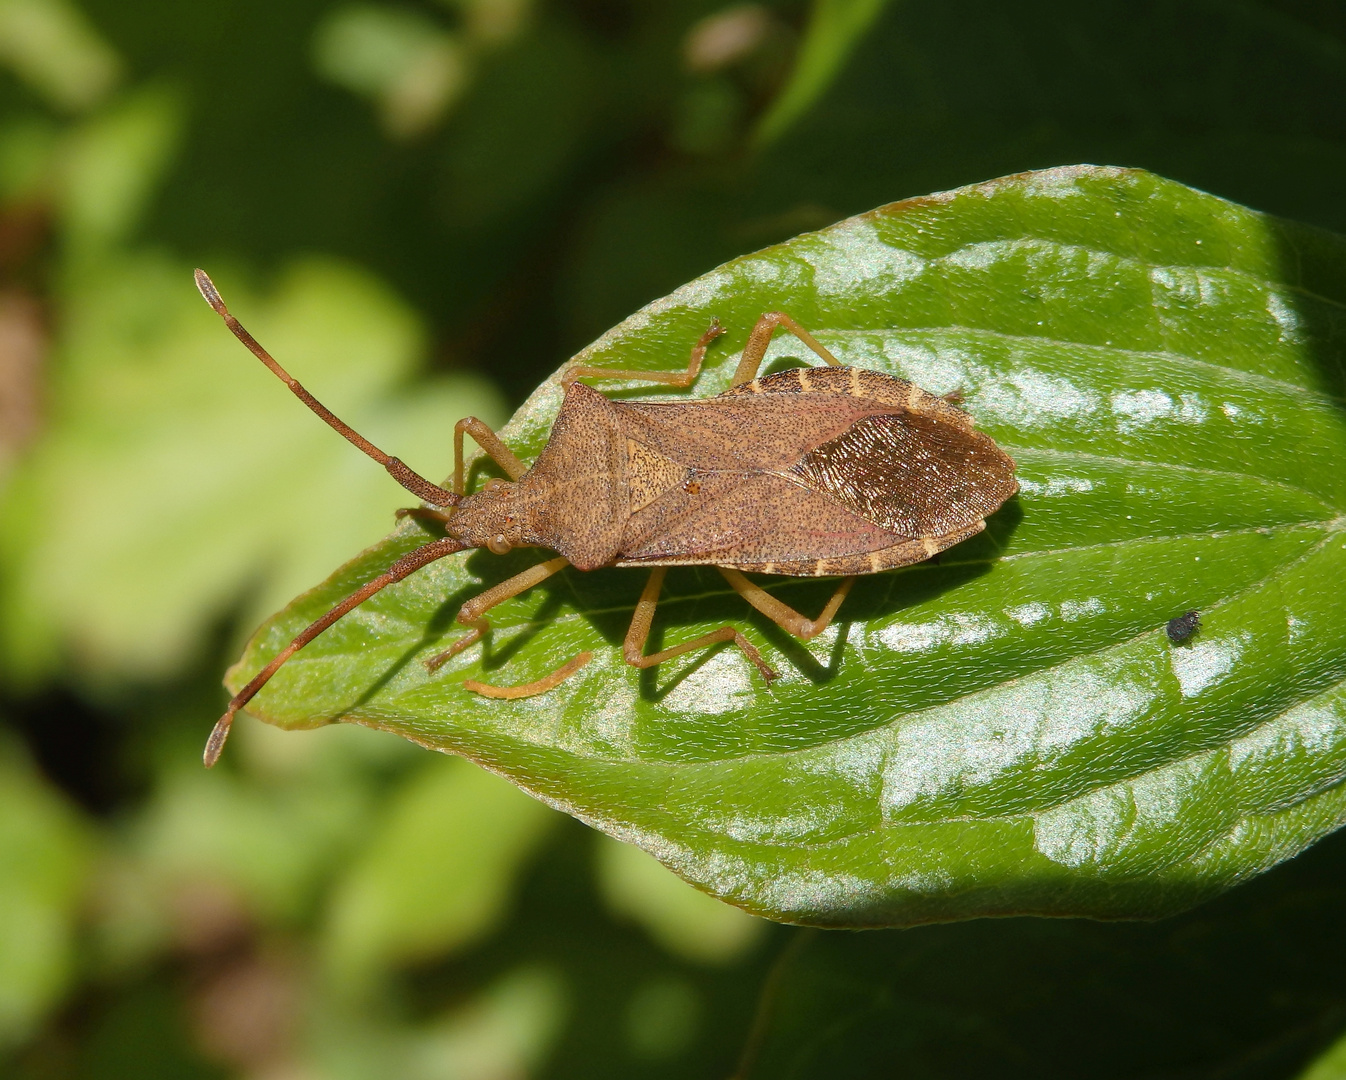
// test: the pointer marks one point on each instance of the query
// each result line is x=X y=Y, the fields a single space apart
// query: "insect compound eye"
x=498 y=544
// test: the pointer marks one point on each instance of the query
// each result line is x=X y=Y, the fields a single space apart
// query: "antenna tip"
x=218 y=734
x=208 y=290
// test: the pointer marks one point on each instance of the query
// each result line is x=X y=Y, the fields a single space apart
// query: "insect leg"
x=413 y=481
x=760 y=338
x=489 y=441
x=407 y=564
x=540 y=686
x=473 y=612
x=784 y=616
x=670 y=378
x=639 y=633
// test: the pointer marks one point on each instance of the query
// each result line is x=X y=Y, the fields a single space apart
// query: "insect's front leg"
x=473 y=614
x=474 y=611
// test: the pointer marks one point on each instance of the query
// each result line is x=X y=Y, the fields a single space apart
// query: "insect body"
x=834 y=471
x=1182 y=627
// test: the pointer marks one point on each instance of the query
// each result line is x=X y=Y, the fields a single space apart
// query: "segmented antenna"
x=407 y=564
x=414 y=482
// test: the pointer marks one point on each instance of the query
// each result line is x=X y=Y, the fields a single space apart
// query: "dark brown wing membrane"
x=911 y=473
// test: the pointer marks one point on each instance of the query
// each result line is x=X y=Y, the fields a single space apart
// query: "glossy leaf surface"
x=1009 y=730
x=1249 y=986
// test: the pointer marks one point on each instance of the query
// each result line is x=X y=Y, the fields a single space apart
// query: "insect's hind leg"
x=473 y=614
x=668 y=378
x=783 y=615
x=760 y=338
x=634 y=647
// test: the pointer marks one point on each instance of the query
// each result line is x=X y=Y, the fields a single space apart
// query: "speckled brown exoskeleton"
x=821 y=472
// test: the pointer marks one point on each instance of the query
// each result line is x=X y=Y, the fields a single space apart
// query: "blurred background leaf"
x=437 y=873
x=45 y=855
x=686 y=922
x=835 y=28
x=1246 y=987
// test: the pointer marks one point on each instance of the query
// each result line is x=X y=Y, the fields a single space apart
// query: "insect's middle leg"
x=783 y=615
x=760 y=338
x=639 y=633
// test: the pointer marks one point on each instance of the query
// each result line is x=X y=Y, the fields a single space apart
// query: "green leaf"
x=51 y=46
x=1331 y=1065
x=436 y=873
x=112 y=167
x=1007 y=731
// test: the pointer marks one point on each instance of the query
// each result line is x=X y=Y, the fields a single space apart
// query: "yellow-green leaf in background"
x=436 y=873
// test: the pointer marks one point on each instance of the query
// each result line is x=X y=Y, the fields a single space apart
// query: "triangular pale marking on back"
x=649 y=474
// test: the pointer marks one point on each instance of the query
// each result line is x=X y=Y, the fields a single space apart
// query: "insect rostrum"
x=835 y=471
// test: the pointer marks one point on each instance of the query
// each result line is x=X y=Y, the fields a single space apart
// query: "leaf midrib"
x=1331 y=525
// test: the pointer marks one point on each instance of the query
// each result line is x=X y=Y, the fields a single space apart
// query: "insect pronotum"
x=823 y=472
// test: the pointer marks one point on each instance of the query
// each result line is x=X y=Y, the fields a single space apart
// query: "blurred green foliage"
x=424 y=207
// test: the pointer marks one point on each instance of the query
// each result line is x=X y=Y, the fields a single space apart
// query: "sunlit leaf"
x=1009 y=730
x=1331 y=1065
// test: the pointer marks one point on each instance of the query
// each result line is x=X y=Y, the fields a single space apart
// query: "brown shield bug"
x=824 y=472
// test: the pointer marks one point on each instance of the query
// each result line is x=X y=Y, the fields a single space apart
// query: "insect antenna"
x=414 y=482
x=404 y=566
